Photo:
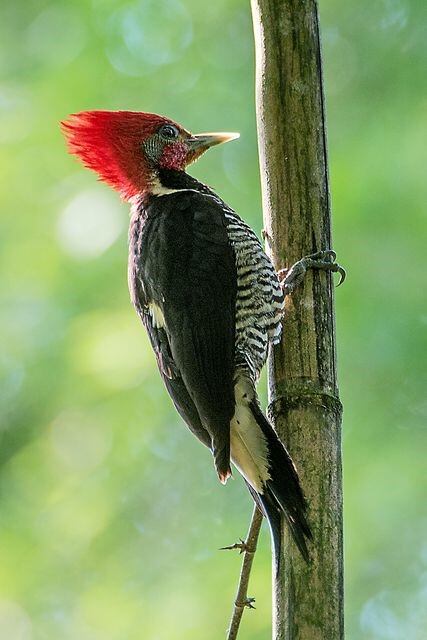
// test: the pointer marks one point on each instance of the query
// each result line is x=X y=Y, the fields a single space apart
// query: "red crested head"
x=111 y=143
x=127 y=148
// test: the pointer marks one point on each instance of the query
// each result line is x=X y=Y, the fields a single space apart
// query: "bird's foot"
x=247 y=602
x=324 y=260
x=242 y=546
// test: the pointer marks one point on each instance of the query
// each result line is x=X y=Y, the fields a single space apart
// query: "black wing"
x=184 y=277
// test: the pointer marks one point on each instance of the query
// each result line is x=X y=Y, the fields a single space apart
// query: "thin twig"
x=248 y=548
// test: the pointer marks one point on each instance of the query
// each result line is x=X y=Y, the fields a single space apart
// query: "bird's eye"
x=169 y=131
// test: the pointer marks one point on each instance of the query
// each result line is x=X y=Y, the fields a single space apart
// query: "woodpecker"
x=207 y=294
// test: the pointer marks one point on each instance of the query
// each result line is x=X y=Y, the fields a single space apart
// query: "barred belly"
x=259 y=302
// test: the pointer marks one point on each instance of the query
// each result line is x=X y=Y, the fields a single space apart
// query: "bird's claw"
x=324 y=260
x=325 y=255
x=342 y=272
x=242 y=546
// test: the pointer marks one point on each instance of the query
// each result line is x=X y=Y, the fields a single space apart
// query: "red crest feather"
x=110 y=143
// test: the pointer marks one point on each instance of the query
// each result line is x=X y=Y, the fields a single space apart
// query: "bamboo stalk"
x=304 y=402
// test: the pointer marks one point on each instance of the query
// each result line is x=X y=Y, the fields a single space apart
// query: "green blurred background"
x=110 y=512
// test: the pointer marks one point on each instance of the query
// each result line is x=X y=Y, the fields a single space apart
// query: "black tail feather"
x=275 y=522
x=282 y=497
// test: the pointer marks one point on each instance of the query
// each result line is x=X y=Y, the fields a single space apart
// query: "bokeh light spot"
x=15 y=624
x=230 y=48
x=148 y=34
x=90 y=223
x=396 y=16
x=16 y=115
x=74 y=518
x=112 y=348
x=79 y=441
x=57 y=35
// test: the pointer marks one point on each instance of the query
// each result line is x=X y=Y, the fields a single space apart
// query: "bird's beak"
x=206 y=140
x=199 y=143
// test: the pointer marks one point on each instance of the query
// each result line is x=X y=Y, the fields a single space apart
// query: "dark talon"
x=324 y=260
x=337 y=268
x=325 y=255
x=343 y=275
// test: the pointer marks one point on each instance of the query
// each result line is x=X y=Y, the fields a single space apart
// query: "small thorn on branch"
x=247 y=602
x=266 y=237
x=242 y=546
